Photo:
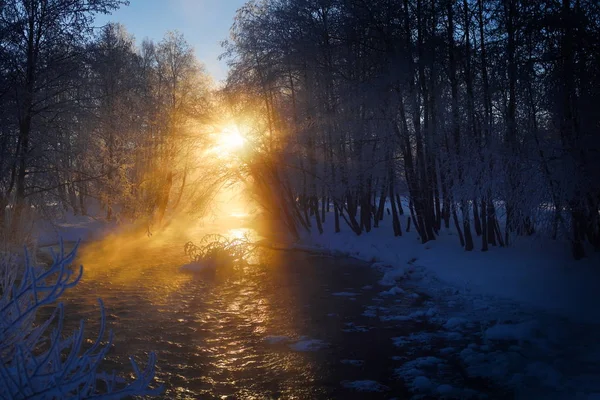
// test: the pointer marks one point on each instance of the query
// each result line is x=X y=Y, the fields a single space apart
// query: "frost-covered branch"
x=37 y=359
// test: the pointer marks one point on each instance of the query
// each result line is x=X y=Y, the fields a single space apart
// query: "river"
x=286 y=325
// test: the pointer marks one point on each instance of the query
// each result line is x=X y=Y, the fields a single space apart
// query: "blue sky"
x=204 y=23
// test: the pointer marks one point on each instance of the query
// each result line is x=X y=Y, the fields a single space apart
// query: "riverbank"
x=533 y=309
x=71 y=228
x=536 y=272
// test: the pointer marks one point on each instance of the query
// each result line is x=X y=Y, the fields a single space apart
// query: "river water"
x=286 y=325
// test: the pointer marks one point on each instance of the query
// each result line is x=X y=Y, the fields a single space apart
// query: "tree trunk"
x=336 y=216
x=476 y=219
x=484 y=228
x=457 y=225
x=395 y=220
x=466 y=226
x=399 y=204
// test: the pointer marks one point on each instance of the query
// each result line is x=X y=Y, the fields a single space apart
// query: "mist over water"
x=211 y=330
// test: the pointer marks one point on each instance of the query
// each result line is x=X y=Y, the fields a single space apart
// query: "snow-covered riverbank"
x=533 y=310
x=71 y=228
x=535 y=272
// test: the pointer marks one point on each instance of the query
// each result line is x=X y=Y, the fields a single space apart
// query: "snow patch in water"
x=445 y=390
x=455 y=323
x=422 y=384
x=391 y=276
x=523 y=332
x=392 y=292
x=308 y=345
x=365 y=386
x=395 y=318
x=355 y=363
x=274 y=339
x=351 y=327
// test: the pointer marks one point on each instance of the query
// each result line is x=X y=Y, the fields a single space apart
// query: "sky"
x=204 y=24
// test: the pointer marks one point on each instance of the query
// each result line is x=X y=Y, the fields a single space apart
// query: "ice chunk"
x=523 y=332
x=365 y=386
x=392 y=292
x=275 y=339
x=455 y=323
x=356 y=363
x=422 y=384
x=445 y=390
x=308 y=345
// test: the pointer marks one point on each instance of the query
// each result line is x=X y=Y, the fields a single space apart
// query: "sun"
x=230 y=139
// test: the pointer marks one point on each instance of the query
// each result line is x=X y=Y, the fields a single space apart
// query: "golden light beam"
x=230 y=139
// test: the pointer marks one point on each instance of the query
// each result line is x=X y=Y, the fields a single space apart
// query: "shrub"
x=37 y=360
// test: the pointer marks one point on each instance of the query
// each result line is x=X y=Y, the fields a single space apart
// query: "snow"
x=72 y=228
x=523 y=318
x=63 y=367
x=392 y=275
x=370 y=312
x=535 y=272
x=428 y=361
x=395 y=318
x=448 y=350
x=351 y=327
x=445 y=390
x=422 y=383
x=355 y=363
x=274 y=339
x=524 y=331
x=455 y=323
x=392 y=292
x=308 y=345
x=365 y=386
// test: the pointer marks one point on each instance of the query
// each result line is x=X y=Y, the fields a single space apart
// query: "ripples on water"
x=234 y=333
x=209 y=330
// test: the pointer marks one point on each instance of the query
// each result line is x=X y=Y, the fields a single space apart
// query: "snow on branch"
x=37 y=359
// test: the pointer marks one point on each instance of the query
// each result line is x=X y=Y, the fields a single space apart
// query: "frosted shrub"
x=37 y=359
x=217 y=249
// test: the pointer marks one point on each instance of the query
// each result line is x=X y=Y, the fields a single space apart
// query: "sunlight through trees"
x=477 y=112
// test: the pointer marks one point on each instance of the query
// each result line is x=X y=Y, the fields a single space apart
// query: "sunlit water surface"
x=231 y=334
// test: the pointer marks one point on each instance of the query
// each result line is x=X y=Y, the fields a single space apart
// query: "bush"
x=37 y=360
x=217 y=250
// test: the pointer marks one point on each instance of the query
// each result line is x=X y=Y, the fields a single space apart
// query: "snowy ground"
x=526 y=317
x=73 y=228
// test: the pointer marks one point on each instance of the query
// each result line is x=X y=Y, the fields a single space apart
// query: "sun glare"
x=231 y=139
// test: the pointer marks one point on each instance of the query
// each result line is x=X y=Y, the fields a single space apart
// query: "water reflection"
x=208 y=331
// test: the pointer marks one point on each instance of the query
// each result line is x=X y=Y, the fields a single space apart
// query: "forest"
x=90 y=114
x=481 y=113
x=474 y=118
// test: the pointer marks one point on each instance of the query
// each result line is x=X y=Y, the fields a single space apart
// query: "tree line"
x=481 y=113
x=86 y=113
